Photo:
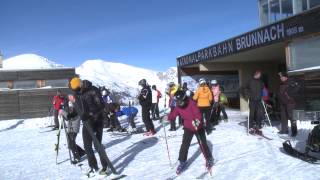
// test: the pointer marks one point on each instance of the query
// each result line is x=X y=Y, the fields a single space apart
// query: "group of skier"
x=198 y=113
x=255 y=91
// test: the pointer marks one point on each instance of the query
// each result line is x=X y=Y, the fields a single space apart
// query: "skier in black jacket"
x=287 y=104
x=89 y=105
x=254 y=89
x=145 y=100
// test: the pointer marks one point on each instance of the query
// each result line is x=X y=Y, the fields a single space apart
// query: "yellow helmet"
x=75 y=83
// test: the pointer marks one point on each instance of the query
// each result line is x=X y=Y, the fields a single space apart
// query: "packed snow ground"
x=26 y=152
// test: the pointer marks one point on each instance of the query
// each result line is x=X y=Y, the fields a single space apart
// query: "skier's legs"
x=223 y=110
x=203 y=140
x=153 y=110
x=284 y=119
x=157 y=110
x=186 y=140
x=56 y=120
x=87 y=143
x=251 y=114
x=72 y=145
x=260 y=114
x=131 y=120
x=98 y=129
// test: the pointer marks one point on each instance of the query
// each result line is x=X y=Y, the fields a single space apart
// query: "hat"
x=202 y=81
x=75 y=83
x=283 y=73
x=214 y=82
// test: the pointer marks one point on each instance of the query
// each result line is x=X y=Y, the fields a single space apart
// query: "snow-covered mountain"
x=29 y=61
x=122 y=78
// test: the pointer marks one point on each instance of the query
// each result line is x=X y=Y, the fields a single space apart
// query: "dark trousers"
x=146 y=118
x=186 y=140
x=56 y=120
x=131 y=120
x=114 y=121
x=205 y=113
x=286 y=111
x=76 y=150
x=256 y=114
x=173 y=122
x=87 y=142
x=155 y=110
x=223 y=110
x=215 y=113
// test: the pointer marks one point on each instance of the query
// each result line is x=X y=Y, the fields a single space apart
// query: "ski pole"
x=266 y=113
x=68 y=142
x=165 y=137
x=248 y=117
x=205 y=155
x=58 y=140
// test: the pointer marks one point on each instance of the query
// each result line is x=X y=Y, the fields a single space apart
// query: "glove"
x=196 y=123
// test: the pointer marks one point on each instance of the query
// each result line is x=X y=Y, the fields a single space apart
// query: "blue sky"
x=144 y=33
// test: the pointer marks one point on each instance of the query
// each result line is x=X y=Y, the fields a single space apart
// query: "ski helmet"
x=154 y=87
x=75 y=83
x=181 y=98
x=171 y=84
x=202 y=81
x=143 y=82
x=214 y=82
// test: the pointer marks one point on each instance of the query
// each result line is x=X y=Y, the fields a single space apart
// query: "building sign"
x=283 y=30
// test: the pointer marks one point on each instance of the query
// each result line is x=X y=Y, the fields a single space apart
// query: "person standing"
x=156 y=95
x=145 y=100
x=72 y=128
x=287 y=104
x=57 y=102
x=254 y=89
x=215 y=110
x=89 y=105
x=203 y=97
x=171 y=90
x=193 y=125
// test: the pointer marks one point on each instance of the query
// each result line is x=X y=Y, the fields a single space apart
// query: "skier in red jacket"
x=193 y=125
x=57 y=105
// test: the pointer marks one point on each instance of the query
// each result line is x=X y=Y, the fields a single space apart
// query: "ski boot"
x=103 y=171
x=91 y=172
x=181 y=167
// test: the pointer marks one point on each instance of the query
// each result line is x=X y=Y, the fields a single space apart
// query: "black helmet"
x=181 y=98
x=142 y=82
x=154 y=87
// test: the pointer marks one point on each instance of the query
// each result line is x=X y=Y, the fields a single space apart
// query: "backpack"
x=295 y=86
x=313 y=141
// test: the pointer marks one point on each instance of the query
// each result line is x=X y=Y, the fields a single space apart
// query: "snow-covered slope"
x=123 y=78
x=27 y=152
x=29 y=61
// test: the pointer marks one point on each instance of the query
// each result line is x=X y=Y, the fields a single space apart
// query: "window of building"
x=304 y=53
x=25 y=84
x=314 y=3
x=305 y=5
x=287 y=8
x=3 y=85
x=274 y=11
x=57 y=83
x=264 y=12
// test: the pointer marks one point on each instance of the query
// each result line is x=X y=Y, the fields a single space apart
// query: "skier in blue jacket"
x=128 y=112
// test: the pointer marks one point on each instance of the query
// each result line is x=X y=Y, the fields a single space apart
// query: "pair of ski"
x=259 y=133
x=297 y=154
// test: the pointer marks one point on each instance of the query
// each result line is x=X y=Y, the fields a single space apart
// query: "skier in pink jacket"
x=193 y=125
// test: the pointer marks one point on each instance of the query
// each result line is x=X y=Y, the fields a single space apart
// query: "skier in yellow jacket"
x=203 y=97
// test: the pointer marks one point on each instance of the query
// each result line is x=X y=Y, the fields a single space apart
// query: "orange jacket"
x=203 y=96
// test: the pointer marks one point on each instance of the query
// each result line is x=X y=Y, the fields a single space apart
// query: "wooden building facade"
x=28 y=93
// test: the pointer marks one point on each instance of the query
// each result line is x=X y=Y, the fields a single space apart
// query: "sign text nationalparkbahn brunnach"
x=284 y=30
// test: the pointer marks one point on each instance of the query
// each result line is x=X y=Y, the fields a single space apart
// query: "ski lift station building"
x=28 y=93
x=287 y=40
